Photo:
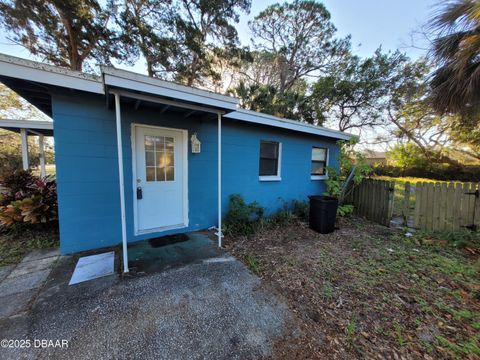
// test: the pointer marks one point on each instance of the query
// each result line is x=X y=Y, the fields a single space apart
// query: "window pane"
x=268 y=167
x=159 y=143
x=150 y=174
x=160 y=174
x=149 y=142
x=149 y=158
x=169 y=159
x=269 y=149
x=319 y=154
x=169 y=143
x=170 y=173
x=160 y=158
x=318 y=168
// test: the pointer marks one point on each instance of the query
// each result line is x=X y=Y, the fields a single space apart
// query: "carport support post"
x=41 y=146
x=24 y=137
x=219 y=180
x=121 y=182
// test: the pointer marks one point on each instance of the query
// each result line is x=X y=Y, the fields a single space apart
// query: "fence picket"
x=457 y=206
x=443 y=206
x=416 y=214
x=436 y=207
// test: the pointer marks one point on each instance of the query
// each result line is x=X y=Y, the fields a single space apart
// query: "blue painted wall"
x=87 y=172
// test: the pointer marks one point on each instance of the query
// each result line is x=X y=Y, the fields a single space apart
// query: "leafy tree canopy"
x=63 y=32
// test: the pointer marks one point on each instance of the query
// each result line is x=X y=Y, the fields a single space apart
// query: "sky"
x=371 y=23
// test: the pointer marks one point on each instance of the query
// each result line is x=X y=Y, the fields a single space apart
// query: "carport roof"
x=37 y=126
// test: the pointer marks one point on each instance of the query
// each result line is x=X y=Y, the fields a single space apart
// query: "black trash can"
x=323 y=212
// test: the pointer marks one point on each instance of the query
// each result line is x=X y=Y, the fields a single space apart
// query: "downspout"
x=121 y=182
x=219 y=233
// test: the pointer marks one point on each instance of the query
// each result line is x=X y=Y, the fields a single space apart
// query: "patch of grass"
x=469 y=347
x=252 y=263
x=16 y=243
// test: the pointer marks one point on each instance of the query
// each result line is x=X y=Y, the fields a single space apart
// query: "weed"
x=350 y=330
x=399 y=335
x=252 y=263
x=301 y=209
x=242 y=218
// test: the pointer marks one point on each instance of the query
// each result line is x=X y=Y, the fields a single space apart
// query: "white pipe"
x=24 y=136
x=41 y=146
x=219 y=180
x=120 y=176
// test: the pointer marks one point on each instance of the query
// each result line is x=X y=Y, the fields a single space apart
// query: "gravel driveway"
x=214 y=309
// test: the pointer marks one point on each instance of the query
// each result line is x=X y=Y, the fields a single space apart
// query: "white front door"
x=160 y=178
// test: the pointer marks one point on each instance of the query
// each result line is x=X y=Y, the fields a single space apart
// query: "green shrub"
x=242 y=218
x=345 y=209
x=301 y=209
x=444 y=172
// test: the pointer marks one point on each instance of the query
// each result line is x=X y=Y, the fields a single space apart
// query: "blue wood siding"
x=87 y=172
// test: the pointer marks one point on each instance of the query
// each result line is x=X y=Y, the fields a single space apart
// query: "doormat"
x=93 y=267
x=167 y=240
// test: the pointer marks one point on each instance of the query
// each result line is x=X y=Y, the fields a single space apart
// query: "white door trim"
x=134 y=127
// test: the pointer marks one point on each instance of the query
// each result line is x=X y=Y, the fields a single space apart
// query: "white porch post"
x=24 y=136
x=41 y=147
x=219 y=180
x=121 y=182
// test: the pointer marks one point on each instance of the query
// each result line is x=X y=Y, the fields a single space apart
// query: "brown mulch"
x=365 y=291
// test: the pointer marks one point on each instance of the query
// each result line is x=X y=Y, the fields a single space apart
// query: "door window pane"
x=149 y=158
x=150 y=173
x=170 y=173
x=159 y=158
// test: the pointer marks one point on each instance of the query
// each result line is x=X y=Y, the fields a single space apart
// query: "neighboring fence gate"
x=446 y=206
x=428 y=206
x=373 y=199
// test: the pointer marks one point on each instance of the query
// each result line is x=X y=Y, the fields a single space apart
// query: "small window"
x=159 y=157
x=319 y=162
x=269 y=160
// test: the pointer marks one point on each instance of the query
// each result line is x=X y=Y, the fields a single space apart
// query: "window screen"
x=269 y=158
x=319 y=161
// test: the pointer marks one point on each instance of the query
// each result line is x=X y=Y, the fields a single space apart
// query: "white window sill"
x=318 y=177
x=269 y=178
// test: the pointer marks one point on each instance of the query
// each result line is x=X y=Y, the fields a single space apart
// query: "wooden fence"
x=445 y=206
x=373 y=199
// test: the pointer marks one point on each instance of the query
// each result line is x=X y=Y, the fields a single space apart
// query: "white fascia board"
x=26 y=124
x=132 y=81
x=259 y=118
x=17 y=68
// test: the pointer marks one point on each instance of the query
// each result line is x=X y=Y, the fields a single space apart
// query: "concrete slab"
x=41 y=254
x=5 y=271
x=205 y=310
x=22 y=283
x=143 y=256
x=26 y=267
x=15 y=303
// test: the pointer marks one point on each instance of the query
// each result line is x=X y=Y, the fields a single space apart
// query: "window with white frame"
x=270 y=153
x=319 y=162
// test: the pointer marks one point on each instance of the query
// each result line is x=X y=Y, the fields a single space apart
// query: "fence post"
x=476 y=215
x=406 y=204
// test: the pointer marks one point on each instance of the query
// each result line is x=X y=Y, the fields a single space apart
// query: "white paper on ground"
x=92 y=267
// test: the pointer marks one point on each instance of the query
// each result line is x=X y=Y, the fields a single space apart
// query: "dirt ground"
x=367 y=291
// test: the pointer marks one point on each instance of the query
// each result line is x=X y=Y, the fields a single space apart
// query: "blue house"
x=139 y=157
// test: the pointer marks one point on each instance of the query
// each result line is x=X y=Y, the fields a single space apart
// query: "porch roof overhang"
x=33 y=126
